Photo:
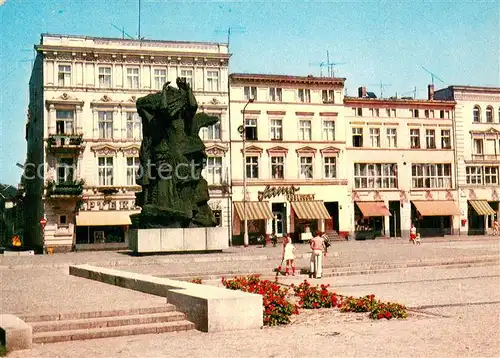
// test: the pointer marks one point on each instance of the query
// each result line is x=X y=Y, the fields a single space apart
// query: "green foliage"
x=3 y=351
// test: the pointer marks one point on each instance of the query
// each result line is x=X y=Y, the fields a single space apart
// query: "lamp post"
x=245 y=221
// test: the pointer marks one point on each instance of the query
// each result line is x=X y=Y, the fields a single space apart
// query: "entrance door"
x=395 y=219
x=278 y=223
x=332 y=224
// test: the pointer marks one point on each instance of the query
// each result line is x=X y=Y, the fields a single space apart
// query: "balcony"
x=72 y=188
x=485 y=157
x=65 y=143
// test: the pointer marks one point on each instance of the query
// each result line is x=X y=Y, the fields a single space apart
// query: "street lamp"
x=245 y=221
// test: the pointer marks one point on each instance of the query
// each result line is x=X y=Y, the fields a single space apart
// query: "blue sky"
x=378 y=41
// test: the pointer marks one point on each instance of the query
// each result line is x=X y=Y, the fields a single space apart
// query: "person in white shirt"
x=317 y=245
x=289 y=256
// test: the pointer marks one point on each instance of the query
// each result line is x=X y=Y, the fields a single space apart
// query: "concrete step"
x=105 y=332
x=102 y=322
x=97 y=314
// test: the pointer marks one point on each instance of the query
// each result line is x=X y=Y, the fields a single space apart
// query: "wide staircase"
x=334 y=236
x=104 y=324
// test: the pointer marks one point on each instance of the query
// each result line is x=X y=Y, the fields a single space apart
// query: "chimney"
x=362 y=92
x=430 y=92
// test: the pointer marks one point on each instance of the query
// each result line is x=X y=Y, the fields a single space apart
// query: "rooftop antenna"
x=414 y=92
x=229 y=31
x=122 y=30
x=433 y=75
x=382 y=87
x=139 y=35
x=329 y=65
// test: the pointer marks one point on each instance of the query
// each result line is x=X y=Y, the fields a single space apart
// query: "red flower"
x=380 y=315
x=388 y=315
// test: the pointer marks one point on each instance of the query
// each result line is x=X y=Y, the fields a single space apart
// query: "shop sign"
x=300 y=197
x=273 y=191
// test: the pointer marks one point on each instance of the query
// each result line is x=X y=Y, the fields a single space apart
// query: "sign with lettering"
x=273 y=191
x=300 y=197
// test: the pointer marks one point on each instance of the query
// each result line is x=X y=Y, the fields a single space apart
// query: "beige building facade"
x=400 y=166
x=477 y=117
x=84 y=131
x=292 y=161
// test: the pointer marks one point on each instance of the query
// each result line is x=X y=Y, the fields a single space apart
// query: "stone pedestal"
x=178 y=240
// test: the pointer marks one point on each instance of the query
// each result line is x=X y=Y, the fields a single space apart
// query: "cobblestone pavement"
x=456 y=316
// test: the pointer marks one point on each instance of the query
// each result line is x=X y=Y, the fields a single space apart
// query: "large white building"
x=477 y=118
x=84 y=133
x=293 y=164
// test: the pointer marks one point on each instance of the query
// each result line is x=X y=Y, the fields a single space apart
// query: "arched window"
x=489 y=114
x=476 y=114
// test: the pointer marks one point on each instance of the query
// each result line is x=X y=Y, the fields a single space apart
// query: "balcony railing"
x=485 y=156
x=65 y=142
x=67 y=188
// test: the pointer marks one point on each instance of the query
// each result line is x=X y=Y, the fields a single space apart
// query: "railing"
x=65 y=140
x=485 y=156
x=70 y=188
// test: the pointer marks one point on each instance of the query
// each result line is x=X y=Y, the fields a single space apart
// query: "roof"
x=476 y=89
x=260 y=77
x=7 y=191
x=397 y=101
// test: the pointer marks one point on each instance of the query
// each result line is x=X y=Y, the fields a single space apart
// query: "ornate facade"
x=85 y=131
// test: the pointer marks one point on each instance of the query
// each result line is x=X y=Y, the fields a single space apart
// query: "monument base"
x=164 y=240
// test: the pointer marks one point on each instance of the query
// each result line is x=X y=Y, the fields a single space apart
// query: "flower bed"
x=277 y=309
x=312 y=297
x=196 y=280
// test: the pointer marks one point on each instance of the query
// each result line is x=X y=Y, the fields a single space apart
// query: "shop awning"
x=254 y=210
x=310 y=210
x=437 y=208
x=373 y=208
x=482 y=207
x=103 y=218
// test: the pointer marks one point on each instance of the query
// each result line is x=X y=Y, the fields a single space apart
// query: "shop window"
x=218 y=217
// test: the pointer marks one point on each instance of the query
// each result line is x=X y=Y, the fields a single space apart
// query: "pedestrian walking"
x=495 y=227
x=413 y=233
x=289 y=257
x=317 y=245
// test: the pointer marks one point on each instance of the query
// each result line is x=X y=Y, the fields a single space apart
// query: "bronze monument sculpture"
x=172 y=156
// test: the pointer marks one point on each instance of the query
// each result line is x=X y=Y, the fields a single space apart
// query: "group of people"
x=318 y=249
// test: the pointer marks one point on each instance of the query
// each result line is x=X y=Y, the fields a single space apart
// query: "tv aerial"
x=330 y=66
x=433 y=75
x=382 y=87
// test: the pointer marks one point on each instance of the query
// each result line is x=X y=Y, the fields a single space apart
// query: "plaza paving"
x=454 y=310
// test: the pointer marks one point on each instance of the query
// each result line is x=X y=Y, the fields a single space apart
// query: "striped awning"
x=253 y=210
x=482 y=207
x=310 y=210
x=103 y=218
x=437 y=208
x=373 y=208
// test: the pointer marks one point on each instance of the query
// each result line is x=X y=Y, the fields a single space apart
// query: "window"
x=304 y=130
x=491 y=175
x=414 y=113
x=304 y=95
x=132 y=169
x=65 y=170
x=64 y=122
x=429 y=113
x=64 y=75
x=251 y=129
x=328 y=130
x=430 y=138
x=374 y=112
x=478 y=146
x=105 y=125
x=213 y=170
x=104 y=77
x=252 y=167
x=414 y=138
x=330 y=165
x=160 y=78
x=375 y=175
x=275 y=94
x=375 y=137
x=105 y=166
x=392 y=139
x=211 y=132
x=358 y=112
x=476 y=114
x=357 y=137
x=489 y=115
x=277 y=167
x=213 y=81
x=187 y=75
x=328 y=96
x=431 y=175
x=133 y=77
x=250 y=93
x=391 y=112
x=445 y=139
x=474 y=175
x=306 y=167
x=218 y=217
x=63 y=220
x=276 y=129
x=134 y=126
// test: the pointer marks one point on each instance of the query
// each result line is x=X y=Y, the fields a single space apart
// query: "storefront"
x=100 y=229
x=258 y=215
x=481 y=214
x=369 y=219
x=433 y=217
x=309 y=217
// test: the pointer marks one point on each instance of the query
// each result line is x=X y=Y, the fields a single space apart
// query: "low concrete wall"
x=178 y=240
x=15 y=334
x=210 y=308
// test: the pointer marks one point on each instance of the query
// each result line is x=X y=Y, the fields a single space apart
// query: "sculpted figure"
x=172 y=157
